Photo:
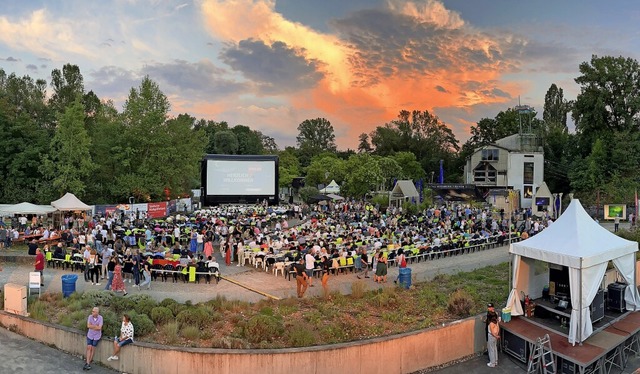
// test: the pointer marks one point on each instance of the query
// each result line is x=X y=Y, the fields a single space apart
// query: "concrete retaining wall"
x=404 y=353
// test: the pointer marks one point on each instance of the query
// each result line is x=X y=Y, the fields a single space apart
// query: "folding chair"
x=34 y=282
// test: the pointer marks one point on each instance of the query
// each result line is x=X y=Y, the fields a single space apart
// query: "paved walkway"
x=257 y=279
x=22 y=355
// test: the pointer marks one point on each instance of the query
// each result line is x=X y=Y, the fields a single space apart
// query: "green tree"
x=145 y=137
x=609 y=98
x=69 y=164
x=226 y=142
x=67 y=85
x=363 y=145
x=288 y=167
x=210 y=129
x=269 y=145
x=365 y=175
x=556 y=109
x=410 y=167
x=324 y=168
x=25 y=123
x=314 y=137
x=107 y=151
x=249 y=141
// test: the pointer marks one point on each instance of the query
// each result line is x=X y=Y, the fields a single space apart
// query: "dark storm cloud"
x=202 y=80
x=274 y=68
x=387 y=42
x=32 y=68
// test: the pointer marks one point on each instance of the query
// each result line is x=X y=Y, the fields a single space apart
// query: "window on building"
x=528 y=173
x=490 y=154
x=528 y=192
x=484 y=173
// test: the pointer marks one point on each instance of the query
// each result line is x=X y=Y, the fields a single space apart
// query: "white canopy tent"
x=69 y=202
x=26 y=208
x=575 y=240
x=332 y=188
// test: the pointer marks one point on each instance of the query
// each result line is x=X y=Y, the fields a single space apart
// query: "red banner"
x=157 y=210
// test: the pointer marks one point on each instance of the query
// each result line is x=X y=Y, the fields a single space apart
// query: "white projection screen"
x=237 y=179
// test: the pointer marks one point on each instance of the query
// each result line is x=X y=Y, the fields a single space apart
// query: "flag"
x=441 y=176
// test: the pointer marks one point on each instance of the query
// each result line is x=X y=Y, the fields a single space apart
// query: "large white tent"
x=69 y=202
x=26 y=208
x=332 y=187
x=575 y=240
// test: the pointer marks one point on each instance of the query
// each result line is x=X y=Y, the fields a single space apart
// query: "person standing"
x=616 y=223
x=310 y=264
x=326 y=267
x=94 y=333
x=493 y=334
x=301 y=278
x=39 y=265
x=145 y=272
x=126 y=337
x=118 y=282
x=491 y=312
x=381 y=269
x=111 y=266
x=364 y=259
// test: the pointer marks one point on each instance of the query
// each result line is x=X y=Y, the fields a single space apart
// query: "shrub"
x=460 y=304
x=161 y=315
x=122 y=304
x=170 y=331
x=267 y=311
x=38 y=311
x=166 y=302
x=96 y=298
x=112 y=323
x=262 y=328
x=190 y=333
x=301 y=336
x=192 y=317
x=143 y=303
x=74 y=306
x=142 y=324
x=358 y=289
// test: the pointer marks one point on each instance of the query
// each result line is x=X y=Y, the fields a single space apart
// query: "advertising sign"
x=157 y=210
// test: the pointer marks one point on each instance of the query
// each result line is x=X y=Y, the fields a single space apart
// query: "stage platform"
x=607 y=348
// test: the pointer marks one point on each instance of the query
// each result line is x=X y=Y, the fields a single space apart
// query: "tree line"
x=71 y=140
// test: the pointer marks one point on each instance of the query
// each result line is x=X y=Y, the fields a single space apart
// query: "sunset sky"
x=270 y=64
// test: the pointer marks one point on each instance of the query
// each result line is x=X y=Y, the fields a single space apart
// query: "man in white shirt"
x=309 y=264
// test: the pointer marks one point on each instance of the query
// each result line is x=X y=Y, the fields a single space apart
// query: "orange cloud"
x=435 y=60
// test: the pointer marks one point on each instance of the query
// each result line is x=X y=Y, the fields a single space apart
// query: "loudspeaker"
x=615 y=299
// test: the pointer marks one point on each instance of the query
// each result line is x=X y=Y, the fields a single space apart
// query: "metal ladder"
x=542 y=360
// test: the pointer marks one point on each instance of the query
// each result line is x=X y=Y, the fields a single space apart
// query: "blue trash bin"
x=405 y=277
x=69 y=284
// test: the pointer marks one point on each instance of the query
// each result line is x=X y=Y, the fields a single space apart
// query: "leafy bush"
x=301 y=336
x=262 y=328
x=193 y=316
x=122 y=304
x=460 y=304
x=143 y=303
x=190 y=333
x=166 y=302
x=112 y=323
x=96 y=298
x=142 y=324
x=161 y=315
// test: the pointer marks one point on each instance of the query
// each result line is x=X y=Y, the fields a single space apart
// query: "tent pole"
x=580 y=311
